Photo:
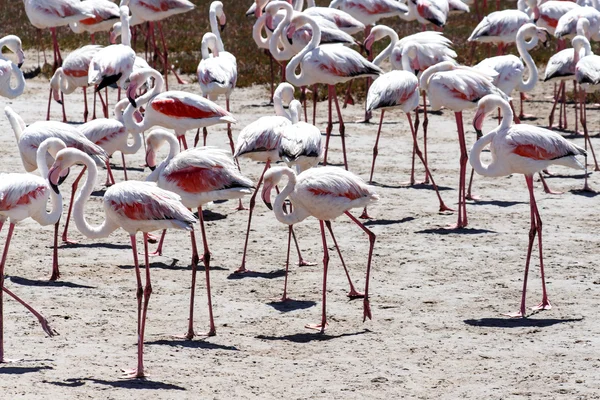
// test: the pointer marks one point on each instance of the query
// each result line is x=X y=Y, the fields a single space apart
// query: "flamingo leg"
x=352 y=293
x=587 y=136
x=85 y=105
x=551 y=117
x=106 y=98
x=330 y=93
x=57 y=56
x=124 y=166
x=419 y=154
x=348 y=98
x=272 y=74
x=206 y=260
x=322 y=326
x=242 y=268
x=576 y=97
x=315 y=96
x=564 y=105
x=195 y=258
x=167 y=65
x=341 y=125
x=49 y=103
x=110 y=179
x=62 y=104
x=586 y=187
x=287 y=265
x=375 y=151
x=11 y=228
x=55 y=271
x=545 y=303
x=41 y=319
x=65 y=237
x=159 y=248
x=425 y=125
x=462 y=210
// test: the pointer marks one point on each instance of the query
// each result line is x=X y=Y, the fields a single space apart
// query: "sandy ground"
x=437 y=296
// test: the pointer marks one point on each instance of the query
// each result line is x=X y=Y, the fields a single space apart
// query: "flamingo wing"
x=587 y=70
x=500 y=24
x=262 y=135
x=560 y=64
x=20 y=189
x=178 y=104
x=340 y=61
x=540 y=144
x=393 y=89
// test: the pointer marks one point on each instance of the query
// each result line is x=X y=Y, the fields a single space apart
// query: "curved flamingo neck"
x=290 y=71
x=507 y=113
x=522 y=48
x=44 y=217
x=174 y=147
x=107 y=226
x=388 y=50
x=294 y=216
x=406 y=57
x=475 y=155
x=278 y=37
x=214 y=26
x=424 y=80
x=257 y=32
x=11 y=92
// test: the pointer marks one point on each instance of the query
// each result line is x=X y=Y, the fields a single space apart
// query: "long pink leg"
x=41 y=319
x=65 y=237
x=321 y=327
x=146 y=292
x=206 y=261
x=375 y=151
x=564 y=105
x=110 y=179
x=586 y=134
x=55 y=272
x=124 y=166
x=159 y=248
x=162 y=38
x=352 y=293
x=11 y=228
x=315 y=97
x=551 y=117
x=586 y=187
x=462 y=217
x=330 y=94
x=425 y=125
x=576 y=97
x=57 y=56
x=195 y=259
x=49 y=103
x=240 y=206
x=85 y=104
x=287 y=265
x=62 y=104
x=342 y=127
x=242 y=268
x=348 y=98
x=545 y=303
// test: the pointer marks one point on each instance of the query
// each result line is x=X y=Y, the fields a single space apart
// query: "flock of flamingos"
x=314 y=47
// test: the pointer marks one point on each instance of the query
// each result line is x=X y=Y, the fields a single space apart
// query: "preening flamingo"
x=397 y=89
x=29 y=139
x=199 y=175
x=112 y=136
x=10 y=70
x=133 y=206
x=261 y=141
x=51 y=14
x=522 y=149
x=217 y=74
x=105 y=14
x=173 y=109
x=457 y=88
x=324 y=193
x=327 y=64
x=72 y=75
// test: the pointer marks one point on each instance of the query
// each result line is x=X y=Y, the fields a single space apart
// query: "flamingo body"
x=499 y=26
x=394 y=89
x=567 y=24
x=105 y=14
x=370 y=11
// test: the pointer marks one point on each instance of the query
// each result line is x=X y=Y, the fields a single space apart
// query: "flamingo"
x=428 y=12
x=510 y=69
x=25 y=195
x=73 y=74
x=10 y=70
x=263 y=41
x=327 y=64
x=133 y=206
x=397 y=89
x=522 y=149
x=587 y=74
x=29 y=139
x=459 y=6
x=261 y=141
x=567 y=24
x=547 y=15
x=112 y=136
x=51 y=14
x=457 y=88
x=344 y=21
x=199 y=175
x=114 y=63
x=217 y=74
x=499 y=27
x=172 y=109
x=324 y=193
x=105 y=13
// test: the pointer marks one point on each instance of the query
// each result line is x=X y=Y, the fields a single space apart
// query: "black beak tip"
x=59 y=101
x=132 y=101
x=152 y=168
x=19 y=65
x=269 y=205
x=479 y=133
x=223 y=27
x=63 y=178
x=54 y=187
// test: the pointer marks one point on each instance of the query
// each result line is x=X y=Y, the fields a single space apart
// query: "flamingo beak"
x=20 y=58
x=478 y=121
x=131 y=89
x=150 y=158
x=222 y=22
x=63 y=176
x=54 y=177
x=266 y=194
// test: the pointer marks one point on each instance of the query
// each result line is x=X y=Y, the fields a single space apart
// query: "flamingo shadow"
x=98 y=193
x=95 y=245
x=32 y=73
x=12 y=370
x=569 y=176
x=462 y=231
x=35 y=282
x=388 y=221
x=584 y=193
x=160 y=265
x=255 y=274
x=192 y=344
x=498 y=203
x=310 y=337
x=418 y=186
x=518 y=322
x=261 y=105
x=291 y=305
x=120 y=168
x=121 y=383
x=209 y=215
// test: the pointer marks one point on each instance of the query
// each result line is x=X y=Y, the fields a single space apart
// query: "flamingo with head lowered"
x=10 y=70
x=522 y=149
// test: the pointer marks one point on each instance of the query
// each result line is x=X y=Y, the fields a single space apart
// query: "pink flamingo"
x=133 y=206
x=499 y=27
x=522 y=149
x=112 y=136
x=327 y=64
x=567 y=24
x=105 y=13
x=457 y=88
x=10 y=70
x=29 y=139
x=199 y=175
x=397 y=89
x=428 y=12
x=72 y=75
x=324 y=193
x=261 y=141
x=173 y=109
x=25 y=195
x=344 y=21
x=45 y=14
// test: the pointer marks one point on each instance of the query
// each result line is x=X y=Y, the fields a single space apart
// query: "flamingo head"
x=115 y=33
x=154 y=141
x=132 y=84
x=55 y=84
x=59 y=170
x=368 y=43
x=271 y=178
x=486 y=105
x=14 y=44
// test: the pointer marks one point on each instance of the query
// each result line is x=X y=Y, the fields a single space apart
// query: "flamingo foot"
x=517 y=314
x=133 y=374
x=240 y=207
x=444 y=207
x=366 y=310
x=472 y=197
x=408 y=183
x=68 y=241
x=353 y=294
x=550 y=191
x=527 y=116
x=55 y=275
x=156 y=253
x=586 y=188
x=456 y=226
x=241 y=270
x=544 y=305
x=191 y=334
x=304 y=263
x=317 y=327
x=365 y=214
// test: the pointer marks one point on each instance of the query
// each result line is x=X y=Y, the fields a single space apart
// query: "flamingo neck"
x=522 y=47
x=125 y=32
x=214 y=27
x=388 y=50
x=15 y=92
x=278 y=105
x=107 y=226
x=301 y=79
x=490 y=169
x=277 y=37
x=158 y=87
x=311 y=3
x=131 y=124
x=257 y=32
x=16 y=122
x=44 y=217
x=294 y=216
x=424 y=80
x=406 y=58
x=135 y=146
x=507 y=114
